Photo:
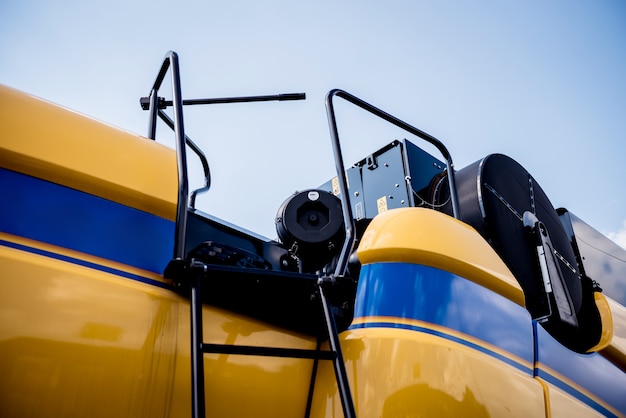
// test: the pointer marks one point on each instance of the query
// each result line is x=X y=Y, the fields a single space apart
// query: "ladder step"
x=268 y=351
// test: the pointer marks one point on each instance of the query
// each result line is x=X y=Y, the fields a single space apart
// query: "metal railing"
x=197 y=271
x=350 y=239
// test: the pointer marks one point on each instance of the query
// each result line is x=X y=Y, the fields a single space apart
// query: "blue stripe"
x=85 y=263
x=57 y=215
x=438 y=297
x=434 y=296
x=448 y=337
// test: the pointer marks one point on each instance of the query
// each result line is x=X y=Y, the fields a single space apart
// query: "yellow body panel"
x=388 y=239
x=616 y=349
x=80 y=341
x=607 y=322
x=561 y=405
x=82 y=256
x=399 y=373
x=83 y=342
x=78 y=152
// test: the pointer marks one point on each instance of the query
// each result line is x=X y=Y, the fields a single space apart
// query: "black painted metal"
x=199 y=270
x=146 y=102
x=155 y=104
x=171 y=63
x=309 y=398
x=249 y=350
x=181 y=154
x=203 y=160
x=394 y=121
x=198 y=404
x=242 y=99
x=348 y=219
x=153 y=107
x=340 y=368
x=199 y=347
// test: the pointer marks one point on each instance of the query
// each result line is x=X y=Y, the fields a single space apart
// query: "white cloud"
x=619 y=237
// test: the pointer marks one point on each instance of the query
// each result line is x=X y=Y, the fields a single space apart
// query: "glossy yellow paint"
x=571 y=404
x=561 y=405
x=422 y=236
x=616 y=349
x=399 y=373
x=607 y=322
x=82 y=256
x=76 y=341
x=444 y=330
x=47 y=141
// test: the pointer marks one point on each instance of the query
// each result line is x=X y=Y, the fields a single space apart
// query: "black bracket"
x=553 y=281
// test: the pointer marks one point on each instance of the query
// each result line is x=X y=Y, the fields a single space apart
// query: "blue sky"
x=540 y=81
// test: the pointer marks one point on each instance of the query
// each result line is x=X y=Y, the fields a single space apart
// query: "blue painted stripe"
x=47 y=212
x=85 y=263
x=431 y=295
x=449 y=337
x=575 y=393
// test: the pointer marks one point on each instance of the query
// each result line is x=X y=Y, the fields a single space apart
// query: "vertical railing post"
x=197 y=356
x=181 y=158
x=341 y=376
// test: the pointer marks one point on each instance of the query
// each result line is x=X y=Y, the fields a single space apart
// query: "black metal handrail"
x=171 y=61
x=203 y=160
x=348 y=246
x=155 y=105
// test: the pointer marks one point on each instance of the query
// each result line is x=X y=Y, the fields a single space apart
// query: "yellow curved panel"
x=65 y=252
x=74 y=340
x=47 y=141
x=560 y=405
x=399 y=373
x=616 y=349
x=424 y=236
x=607 y=322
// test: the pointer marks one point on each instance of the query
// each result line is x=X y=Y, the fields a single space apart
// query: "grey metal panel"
x=602 y=260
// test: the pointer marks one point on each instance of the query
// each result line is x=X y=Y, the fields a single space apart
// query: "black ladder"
x=192 y=273
x=199 y=273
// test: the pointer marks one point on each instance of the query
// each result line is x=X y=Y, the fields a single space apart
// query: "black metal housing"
x=310 y=224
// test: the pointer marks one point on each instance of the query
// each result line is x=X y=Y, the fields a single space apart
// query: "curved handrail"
x=203 y=160
x=350 y=239
x=171 y=63
x=154 y=104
